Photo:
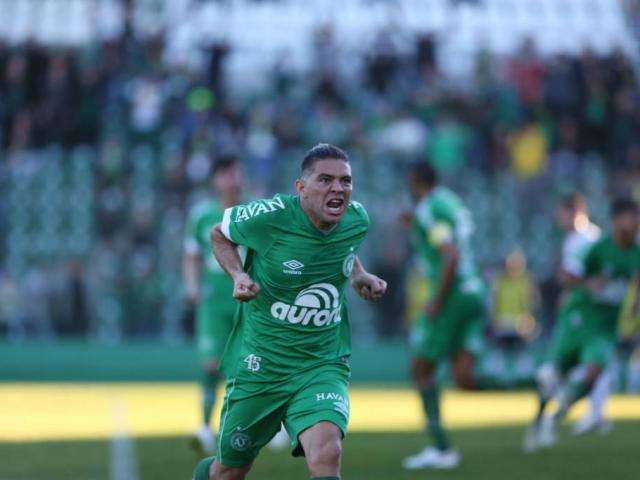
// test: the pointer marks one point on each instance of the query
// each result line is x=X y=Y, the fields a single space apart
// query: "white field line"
x=123 y=462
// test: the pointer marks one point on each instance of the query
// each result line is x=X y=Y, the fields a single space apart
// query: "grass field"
x=488 y=453
x=79 y=432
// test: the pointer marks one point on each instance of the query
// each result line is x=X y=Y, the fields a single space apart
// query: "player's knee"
x=593 y=373
x=464 y=379
x=422 y=373
x=325 y=456
x=211 y=367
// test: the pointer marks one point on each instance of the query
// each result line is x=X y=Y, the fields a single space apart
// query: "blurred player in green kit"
x=452 y=326
x=287 y=357
x=608 y=269
x=209 y=288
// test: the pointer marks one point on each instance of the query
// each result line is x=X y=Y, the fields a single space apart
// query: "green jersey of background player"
x=208 y=287
x=452 y=325
x=286 y=359
x=609 y=266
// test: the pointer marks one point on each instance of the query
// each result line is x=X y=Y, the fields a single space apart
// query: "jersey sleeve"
x=442 y=230
x=252 y=224
x=362 y=215
x=592 y=261
x=191 y=232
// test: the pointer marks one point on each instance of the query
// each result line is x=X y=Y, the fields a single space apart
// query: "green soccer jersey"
x=441 y=217
x=616 y=266
x=215 y=283
x=299 y=318
x=575 y=247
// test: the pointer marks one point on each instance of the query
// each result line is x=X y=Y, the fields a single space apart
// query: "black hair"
x=322 y=151
x=623 y=205
x=573 y=201
x=224 y=162
x=424 y=172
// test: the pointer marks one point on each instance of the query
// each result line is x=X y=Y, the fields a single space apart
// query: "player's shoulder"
x=601 y=244
x=445 y=199
x=357 y=213
x=439 y=205
x=203 y=208
x=264 y=208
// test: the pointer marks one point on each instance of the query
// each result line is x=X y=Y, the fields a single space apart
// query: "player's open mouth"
x=335 y=206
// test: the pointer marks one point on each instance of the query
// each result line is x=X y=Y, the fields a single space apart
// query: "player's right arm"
x=191 y=276
x=250 y=226
x=226 y=252
x=191 y=260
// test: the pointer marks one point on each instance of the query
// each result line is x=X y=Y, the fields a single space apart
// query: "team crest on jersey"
x=318 y=304
x=347 y=264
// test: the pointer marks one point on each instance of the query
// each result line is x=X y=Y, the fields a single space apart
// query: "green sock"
x=201 y=472
x=431 y=404
x=209 y=385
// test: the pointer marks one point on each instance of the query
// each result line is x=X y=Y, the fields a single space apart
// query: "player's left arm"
x=367 y=285
x=441 y=236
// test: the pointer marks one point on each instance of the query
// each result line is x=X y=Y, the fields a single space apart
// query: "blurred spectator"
x=514 y=299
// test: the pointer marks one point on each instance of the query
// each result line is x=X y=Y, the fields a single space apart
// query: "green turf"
x=492 y=454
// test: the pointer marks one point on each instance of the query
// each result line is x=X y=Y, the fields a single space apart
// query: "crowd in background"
x=135 y=138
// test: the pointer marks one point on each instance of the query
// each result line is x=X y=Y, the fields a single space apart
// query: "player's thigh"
x=249 y=419
x=324 y=397
x=565 y=351
x=598 y=350
x=469 y=318
x=432 y=338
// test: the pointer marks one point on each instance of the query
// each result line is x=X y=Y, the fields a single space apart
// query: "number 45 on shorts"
x=253 y=362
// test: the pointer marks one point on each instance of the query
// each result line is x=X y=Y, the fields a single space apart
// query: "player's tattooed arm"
x=367 y=285
x=226 y=252
x=449 y=254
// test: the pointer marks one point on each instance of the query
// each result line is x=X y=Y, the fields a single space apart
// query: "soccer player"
x=609 y=266
x=572 y=216
x=209 y=288
x=287 y=357
x=452 y=325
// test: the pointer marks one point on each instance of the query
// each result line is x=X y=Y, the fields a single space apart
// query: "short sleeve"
x=440 y=233
x=362 y=214
x=441 y=230
x=252 y=224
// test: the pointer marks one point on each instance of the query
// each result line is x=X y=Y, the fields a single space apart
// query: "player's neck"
x=229 y=201
x=427 y=191
x=622 y=241
x=324 y=227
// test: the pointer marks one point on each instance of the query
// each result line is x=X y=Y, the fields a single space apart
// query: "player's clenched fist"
x=369 y=286
x=244 y=289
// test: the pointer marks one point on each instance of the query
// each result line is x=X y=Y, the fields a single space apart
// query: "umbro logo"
x=292 y=267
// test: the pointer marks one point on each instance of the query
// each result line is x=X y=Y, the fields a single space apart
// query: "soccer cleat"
x=590 y=424
x=547 y=434
x=204 y=441
x=279 y=441
x=531 y=440
x=431 y=457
